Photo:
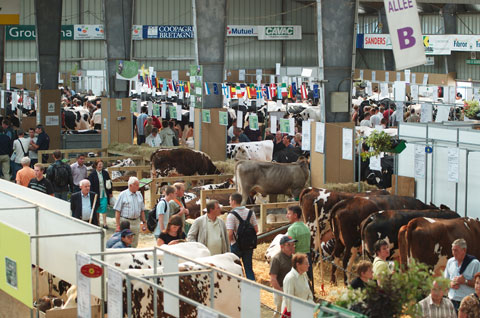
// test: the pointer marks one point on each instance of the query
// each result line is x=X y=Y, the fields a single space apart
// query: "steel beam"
x=450 y=23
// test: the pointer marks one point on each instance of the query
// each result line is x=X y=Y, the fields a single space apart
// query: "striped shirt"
x=431 y=310
x=130 y=205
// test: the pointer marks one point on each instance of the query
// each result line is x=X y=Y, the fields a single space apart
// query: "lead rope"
x=317 y=238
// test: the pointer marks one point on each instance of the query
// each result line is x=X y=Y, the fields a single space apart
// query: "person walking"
x=140 y=127
x=25 y=174
x=79 y=171
x=84 y=203
x=233 y=224
x=60 y=175
x=32 y=153
x=5 y=152
x=40 y=183
x=42 y=143
x=295 y=283
x=102 y=185
x=210 y=230
x=163 y=211
x=20 y=150
x=130 y=207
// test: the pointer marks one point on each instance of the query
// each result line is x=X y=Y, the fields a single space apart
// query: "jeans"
x=5 y=164
x=140 y=139
x=61 y=195
x=456 y=304
x=246 y=257
x=14 y=169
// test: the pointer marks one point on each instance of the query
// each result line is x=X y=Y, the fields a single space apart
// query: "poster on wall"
x=88 y=32
x=126 y=70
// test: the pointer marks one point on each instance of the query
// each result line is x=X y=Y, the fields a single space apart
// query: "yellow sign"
x=9 y=11
x=15 y=264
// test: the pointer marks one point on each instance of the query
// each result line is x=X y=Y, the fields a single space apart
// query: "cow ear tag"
x=91 y=270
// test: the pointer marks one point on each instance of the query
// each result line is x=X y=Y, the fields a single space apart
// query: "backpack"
x=152 y=220
x=246 y=236
x=61 y=176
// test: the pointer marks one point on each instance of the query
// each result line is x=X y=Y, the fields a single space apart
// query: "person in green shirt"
x=300 y=232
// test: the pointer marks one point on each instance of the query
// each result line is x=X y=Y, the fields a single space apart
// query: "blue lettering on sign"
x=457 y=43
x=168 y=32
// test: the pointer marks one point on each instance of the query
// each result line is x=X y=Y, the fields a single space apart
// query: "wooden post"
x=263 y=218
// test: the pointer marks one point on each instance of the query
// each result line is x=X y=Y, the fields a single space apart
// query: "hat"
x=287 y=239
x=127 y=232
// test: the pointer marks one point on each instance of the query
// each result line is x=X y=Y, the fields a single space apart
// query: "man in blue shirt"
x=240 y=135
x=117 y=236
x=140 y=128
x=126 y=239
x=43 y=141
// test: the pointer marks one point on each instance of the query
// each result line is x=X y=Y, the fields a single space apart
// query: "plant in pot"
x=380 y=141
x=472 y=109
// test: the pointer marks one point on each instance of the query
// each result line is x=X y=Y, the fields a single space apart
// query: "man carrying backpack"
x=60 y=175
x=242 y=231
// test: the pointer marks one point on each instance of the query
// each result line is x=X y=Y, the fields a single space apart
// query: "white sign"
x=306 y=135
x=88 y=32
x=384 y=93
x=115 y=293
x=419 y=162
x=377 y=41
x=239 y=119
x=442 y=113
x=175 y=75
x=179 y=112
x=14 y=100
x=453 y=164
x=375 y=163
x=347 y=143
x=249 y=300
x=277 y=69
x=273 y=124
x=8 y=76
x=361 y=75
x=414 y=92
x=241 y=75
x=405 y=33
x=400 y=91
x=171 y=303
x=52 y=121
x=192 y=115
x=19 y=78
x=291 y=121
x=387 y=77
x=425 y=79
x=407 y=76
x=164 y=111
x=83 y=288
x=414 y=78
x=279 y=32
x=374 y=76
x=241 y=30
x=319 y=136
x=3 y=99
x=426 y=113
x=258 y=75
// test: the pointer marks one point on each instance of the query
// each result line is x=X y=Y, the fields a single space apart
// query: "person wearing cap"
x=126 y=239
x=20 y=150
x=117 y=236
x=280 y=265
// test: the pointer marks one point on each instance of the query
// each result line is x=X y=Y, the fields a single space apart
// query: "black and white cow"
x=76 y=118
x=257 y=150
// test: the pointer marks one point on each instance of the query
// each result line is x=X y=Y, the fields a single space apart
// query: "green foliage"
x=378 y=141
x=397 y=294
x=472 y=107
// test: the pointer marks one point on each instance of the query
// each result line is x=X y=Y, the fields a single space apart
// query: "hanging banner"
x=28 y=32
x=405 y=32
x=279 y=32
x=168 y=32
x=88 y=32
x=127 y=70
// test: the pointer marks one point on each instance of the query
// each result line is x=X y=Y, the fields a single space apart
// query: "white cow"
x=257 y=150
x=312 y=113
x=274 y=247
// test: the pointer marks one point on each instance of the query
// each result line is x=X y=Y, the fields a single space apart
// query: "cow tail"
x=402 y=246
x=237 y=178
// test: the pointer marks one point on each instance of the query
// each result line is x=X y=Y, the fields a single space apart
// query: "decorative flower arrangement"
x=380 y=141
x=471 y=109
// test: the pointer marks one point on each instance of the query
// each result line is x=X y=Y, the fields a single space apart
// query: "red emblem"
x=91 y=270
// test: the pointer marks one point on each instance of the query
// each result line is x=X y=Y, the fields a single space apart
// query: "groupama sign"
x=28 y=32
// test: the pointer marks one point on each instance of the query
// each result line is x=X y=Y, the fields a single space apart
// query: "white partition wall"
x=436 y=187
x=55 y=254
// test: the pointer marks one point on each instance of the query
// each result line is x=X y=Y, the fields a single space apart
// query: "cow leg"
x=337 y=252
x=353 y=257
x=346 y=257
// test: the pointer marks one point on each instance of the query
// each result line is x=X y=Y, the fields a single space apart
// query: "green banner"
x=28 y=32
x=133 y=106
x=223 y=118
x=473 y=62
x=118 y=104
x=156 y=110
x=253 y=122
x=206 y=116
x=126 y=70
x=284 y=126
x=173 y=112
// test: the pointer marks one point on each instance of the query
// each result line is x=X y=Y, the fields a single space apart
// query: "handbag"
x=108 y=184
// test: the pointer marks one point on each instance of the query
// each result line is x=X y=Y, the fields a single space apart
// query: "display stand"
x=210 y=137
x=117 y=124
x=49 y=115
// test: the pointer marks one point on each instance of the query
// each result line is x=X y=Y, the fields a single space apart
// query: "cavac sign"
x=279 y=32
x=405 y=32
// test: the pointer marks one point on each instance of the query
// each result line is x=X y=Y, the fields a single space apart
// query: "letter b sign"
x=405 y=38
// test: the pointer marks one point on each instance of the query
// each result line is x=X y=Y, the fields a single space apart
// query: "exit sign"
x=473 y=62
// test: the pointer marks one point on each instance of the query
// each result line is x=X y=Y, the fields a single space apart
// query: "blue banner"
x=168 y=32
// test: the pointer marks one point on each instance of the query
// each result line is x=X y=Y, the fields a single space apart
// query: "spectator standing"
x=232 y=227
x=163 y=211
x=300 y=232
x=366 y=121
x=96 y=120
x=117 y=236
x=25 y=174
x=435 y=305
x=413 y=118
x=173 y=233
x=60 y=175
x=253 y=135
x=130 y=207
x=126 y=239
x=295 y=282
x=461 y=269
x=167 y=135
x=42 y=143
x=140 y=128
x=287 y=141
x=374 y=118
x=40 y=183
x=5 y=152
x=280 y=265
x=237 y=132
x=84 y=203
x=8 y=129
x=177 y=205
x=154 y=140
x=32 y=153
x=102 y=185
x=380 y=264
x=20 y=150
x=79 y=171
x=148 y=126
x=278 y=142
x=470 y=305
x=210 y=230
x=364 y=272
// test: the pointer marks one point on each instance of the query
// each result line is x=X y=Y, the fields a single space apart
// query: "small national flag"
x=290 y=91
x=259 y=92
x=170 y=85
x=273 y=90
x=279 y=93
x=207 y=89
x=233 y=92
x=238 y=90
x=165 y=86
x=284 y=90
x=224 y=89
x=294 y=89
x=304 y=92
x=187 y=88
x=140 y=78
x=267 y=92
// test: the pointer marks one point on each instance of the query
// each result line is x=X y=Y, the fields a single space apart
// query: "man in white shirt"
x=154 y=140
x=96 y=120
x=130 y=207
x=32 y=153
x=20 y=149
x=366 y=121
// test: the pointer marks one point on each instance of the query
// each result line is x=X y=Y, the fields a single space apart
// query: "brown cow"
x=430 y=240
x=325 y=199
x=182 y=161
x=271 y=178
x=347 y=215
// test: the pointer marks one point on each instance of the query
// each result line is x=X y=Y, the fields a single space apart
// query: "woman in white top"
x=20 y=150
x=295 y=282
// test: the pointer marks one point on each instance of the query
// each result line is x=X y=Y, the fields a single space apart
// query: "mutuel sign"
x=242 y=30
